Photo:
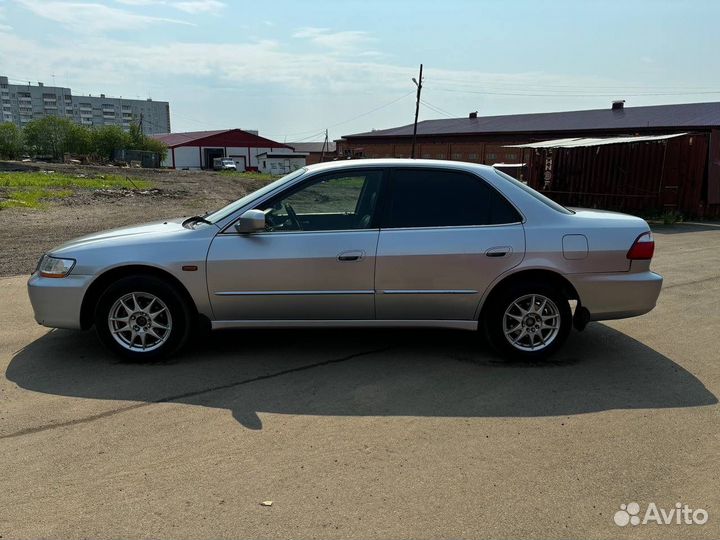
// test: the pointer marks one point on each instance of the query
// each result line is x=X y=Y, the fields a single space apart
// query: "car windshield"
x=539 y=196
x=225 y=211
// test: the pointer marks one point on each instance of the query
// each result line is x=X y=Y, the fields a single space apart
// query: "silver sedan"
x=366 y=243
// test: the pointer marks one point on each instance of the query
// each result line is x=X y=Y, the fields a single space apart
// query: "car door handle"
x=500 y=251
x=349 y=256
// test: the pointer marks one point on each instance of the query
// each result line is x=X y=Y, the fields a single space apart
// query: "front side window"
x=439 y=198
x=225 y=211
x=337 y=201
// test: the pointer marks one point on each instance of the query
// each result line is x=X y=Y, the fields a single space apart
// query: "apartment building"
x=21 y=103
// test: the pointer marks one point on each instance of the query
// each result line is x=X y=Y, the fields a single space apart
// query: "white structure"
x=198 y=149
x=281 y=162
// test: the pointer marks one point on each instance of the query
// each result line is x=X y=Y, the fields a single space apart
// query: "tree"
x=140 y=141
x=11 y=141
x=106 y=139
x=49 y=136
x=53 y=136
x=153 y=145
x=78 y=140
x=137 y=137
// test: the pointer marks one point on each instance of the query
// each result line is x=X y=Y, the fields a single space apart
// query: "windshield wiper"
x=196 y=219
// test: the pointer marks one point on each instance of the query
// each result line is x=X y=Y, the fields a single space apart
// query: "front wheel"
x=529 y=321
x=142 y=318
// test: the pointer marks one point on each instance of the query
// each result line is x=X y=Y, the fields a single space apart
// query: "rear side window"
x=438 y=198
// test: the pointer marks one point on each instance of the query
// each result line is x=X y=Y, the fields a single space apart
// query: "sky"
x=292 y=69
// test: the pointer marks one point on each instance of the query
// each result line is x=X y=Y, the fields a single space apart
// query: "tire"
x=527 y=321
x=142 y=318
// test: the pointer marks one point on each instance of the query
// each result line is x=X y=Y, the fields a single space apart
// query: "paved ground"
x=369 y=434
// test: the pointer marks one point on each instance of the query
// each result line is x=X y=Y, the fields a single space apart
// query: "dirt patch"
x=25 y=234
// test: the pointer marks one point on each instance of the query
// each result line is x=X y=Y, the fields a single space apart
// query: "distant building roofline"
x=684 y=116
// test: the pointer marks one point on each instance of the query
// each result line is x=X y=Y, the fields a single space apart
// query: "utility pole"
x=325 y=144
x=418 y=83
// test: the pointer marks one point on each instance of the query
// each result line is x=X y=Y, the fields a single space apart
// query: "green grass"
x=32 y=199
x=30 y=189
x=60 y=180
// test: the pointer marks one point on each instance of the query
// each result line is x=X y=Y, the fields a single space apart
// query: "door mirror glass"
x=251 y=221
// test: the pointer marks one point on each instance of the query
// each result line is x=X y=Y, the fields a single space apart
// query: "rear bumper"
x=56 y=302
x=617 y=295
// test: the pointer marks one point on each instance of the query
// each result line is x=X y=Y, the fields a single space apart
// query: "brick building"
x=639 y=159
x=316 y=151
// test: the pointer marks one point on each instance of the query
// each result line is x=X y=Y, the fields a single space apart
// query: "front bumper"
x=617 y=295
x=56 y=302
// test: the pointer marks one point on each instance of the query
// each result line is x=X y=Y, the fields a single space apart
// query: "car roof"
x=397 y=162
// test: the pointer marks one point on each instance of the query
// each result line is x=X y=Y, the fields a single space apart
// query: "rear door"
x=445 y=236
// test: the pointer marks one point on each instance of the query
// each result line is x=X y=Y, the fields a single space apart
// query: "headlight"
x=53 y=267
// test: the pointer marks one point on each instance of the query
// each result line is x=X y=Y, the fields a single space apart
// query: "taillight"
x=643 y=248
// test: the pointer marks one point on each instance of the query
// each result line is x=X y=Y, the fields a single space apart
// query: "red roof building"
x=197 y=149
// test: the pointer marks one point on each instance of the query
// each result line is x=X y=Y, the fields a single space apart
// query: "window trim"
x=390 y=186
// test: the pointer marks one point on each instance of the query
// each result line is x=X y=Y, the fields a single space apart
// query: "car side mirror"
x=251 y=221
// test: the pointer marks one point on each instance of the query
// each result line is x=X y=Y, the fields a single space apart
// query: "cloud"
x=92 y=17
x=243 y=66
x=4 y=27
x=200 y=6
x=344 y=41
x=188 y=6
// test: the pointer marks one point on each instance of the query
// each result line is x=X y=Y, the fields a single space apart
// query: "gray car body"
x=434 y=276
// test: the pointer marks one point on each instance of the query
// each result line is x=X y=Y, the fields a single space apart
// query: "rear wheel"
x=142 y=318
x=528 y=321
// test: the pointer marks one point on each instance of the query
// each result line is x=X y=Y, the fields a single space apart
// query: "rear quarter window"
x=537 y=195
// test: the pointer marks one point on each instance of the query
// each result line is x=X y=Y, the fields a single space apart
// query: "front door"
x=445 y=237
x=314 y=261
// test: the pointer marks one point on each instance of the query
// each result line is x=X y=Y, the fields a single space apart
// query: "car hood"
x=144 y=233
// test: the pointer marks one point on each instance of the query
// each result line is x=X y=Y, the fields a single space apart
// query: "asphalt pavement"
x=369 y=434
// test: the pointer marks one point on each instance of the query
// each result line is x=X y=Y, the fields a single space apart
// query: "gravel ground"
x=25 y=234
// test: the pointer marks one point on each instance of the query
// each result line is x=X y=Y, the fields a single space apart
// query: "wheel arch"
x=96 y=288
x=542 y=275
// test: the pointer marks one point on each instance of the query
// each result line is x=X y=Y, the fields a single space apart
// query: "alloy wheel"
x=531 y=322
x=140 y=321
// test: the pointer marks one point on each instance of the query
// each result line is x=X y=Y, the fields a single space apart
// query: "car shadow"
x=367 y=373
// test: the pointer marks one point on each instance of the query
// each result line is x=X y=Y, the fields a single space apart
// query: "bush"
x=671 y=217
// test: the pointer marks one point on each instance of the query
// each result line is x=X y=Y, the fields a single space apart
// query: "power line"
x=615 y=94
x=437 y=109
x=541 y=86
x=373 y=110
x=311 y=136
x=322 y=130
